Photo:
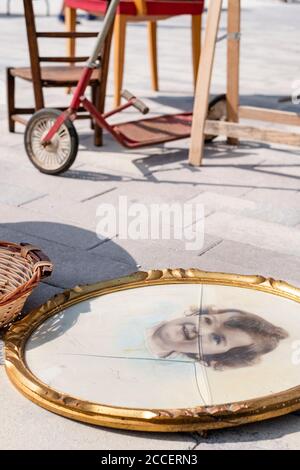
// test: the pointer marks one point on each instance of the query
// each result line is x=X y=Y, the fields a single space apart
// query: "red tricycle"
x=51 y=140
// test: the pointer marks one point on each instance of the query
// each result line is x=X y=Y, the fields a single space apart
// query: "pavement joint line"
x=21 y=232
x=90 y=198
x=209 y=248
x=198 y=438
x=118 y=259
x=196 y=441
x=32 y=200
x=51 y=284
x=264 y=171
x=101 y=242
x=246 y=193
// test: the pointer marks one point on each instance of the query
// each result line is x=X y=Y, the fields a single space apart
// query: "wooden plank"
x=19 y=119
x=240 y=131
x=46 y=34
x=25 y=110
x=233 y=62
x=204 y=83
x=270 y=115
x=70 y=60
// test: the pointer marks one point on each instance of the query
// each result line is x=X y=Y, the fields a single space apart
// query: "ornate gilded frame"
x=156 y=420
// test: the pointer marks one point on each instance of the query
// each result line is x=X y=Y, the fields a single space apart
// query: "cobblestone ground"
x=250 y=194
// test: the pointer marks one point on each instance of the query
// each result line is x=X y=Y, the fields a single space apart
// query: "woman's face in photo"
x=206 y=334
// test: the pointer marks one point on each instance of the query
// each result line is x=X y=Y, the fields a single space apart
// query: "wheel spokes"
x=57 y=152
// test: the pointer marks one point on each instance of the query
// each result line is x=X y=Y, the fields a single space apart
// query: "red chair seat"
x=154 y=7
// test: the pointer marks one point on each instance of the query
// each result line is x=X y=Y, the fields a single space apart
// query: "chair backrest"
x=33 y=35
x=36 y=59
x=8 y=7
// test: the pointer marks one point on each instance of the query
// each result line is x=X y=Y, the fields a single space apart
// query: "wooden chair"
x=143 y=10
x=55 y=75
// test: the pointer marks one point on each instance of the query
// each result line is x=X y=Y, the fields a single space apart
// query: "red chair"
x=142 y=10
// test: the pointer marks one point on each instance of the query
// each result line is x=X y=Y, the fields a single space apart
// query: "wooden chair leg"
x=70 y=24
x=94 y=101
x=196 y=44
x=119 y=48
x=98 y=131
x=152 y=33
x=101 y=89
x=10 y=99
x=98 y=136
x=233 y=63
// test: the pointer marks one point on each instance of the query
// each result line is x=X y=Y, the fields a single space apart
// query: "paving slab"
x=163 y=254
x=261 y=209
x=18 y=195
x=276 y=197
x=127 y=193
x=46 y=226
x=267 y=235
x=280 y=434
x=27 y=426
x=250 y=195
x=255 y=260
x=73 y=266
x=28 y=178
x=231 y=179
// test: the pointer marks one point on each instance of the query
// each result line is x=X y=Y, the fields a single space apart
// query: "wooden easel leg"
x=233 y=63
x=204 y=82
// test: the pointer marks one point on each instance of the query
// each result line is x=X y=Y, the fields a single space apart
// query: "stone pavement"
x=250 y=194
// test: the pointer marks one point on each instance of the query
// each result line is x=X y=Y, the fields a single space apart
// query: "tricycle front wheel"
x=57 y=156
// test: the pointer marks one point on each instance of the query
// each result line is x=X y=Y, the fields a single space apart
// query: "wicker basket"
x=21 y=269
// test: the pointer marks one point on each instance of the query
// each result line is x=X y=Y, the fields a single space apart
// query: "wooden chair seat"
x=140 y=10
x=154 y=7
x=55 y=75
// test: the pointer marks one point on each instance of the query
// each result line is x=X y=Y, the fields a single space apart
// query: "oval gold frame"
x=154 y=420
